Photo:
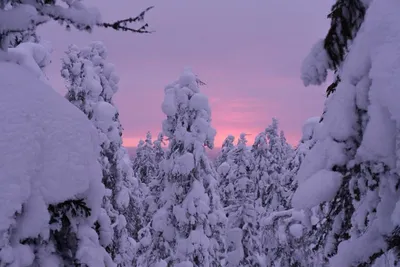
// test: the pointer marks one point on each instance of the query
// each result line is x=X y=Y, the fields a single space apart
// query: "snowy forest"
x=70 y=194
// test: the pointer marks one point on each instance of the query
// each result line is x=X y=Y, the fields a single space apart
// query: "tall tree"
x=352 y=170
x=243 y=243
x=91 y=84
x=279 y=152
x=227 y=145
x=225 y=188
x=186 y=229
x=159 y=150
x=260 y=155
x=144 y=164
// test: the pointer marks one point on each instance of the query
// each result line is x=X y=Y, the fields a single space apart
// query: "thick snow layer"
x=223 y=169
x=314 y=69
x=320 y=187
x=308 y=128
x=48 y=152
x=296 y=230
x=32 y=56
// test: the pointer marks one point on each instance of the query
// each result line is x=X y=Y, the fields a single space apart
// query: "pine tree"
x=185 y=229
x=225 y=188
x=227 y=146
x=159 y=150
x=356 y=154
x=91 y=84
x=243 y=243
x=286 y=241
x=144 y=164
x=279 y=152
x=260 y=155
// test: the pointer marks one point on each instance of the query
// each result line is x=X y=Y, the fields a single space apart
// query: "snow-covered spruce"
x=356 y=155
x=188 y=227
x=225 y=189
x=91 y=84
x=243 y=246
x=279 y=153
x=51 y=190
x=144 y=164
x=227 y=145
x=159 y=151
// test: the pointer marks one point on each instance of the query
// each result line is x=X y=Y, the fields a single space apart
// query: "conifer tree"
x=260 y=155
x=227 y=146
x=159 y=152
x=223 y=166
x=91 y=84
x=355 y=157
x=144 y=164
x=186 y=229
x=243 y=243
x=279 y=152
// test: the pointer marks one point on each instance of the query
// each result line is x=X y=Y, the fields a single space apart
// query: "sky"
x=249 y=54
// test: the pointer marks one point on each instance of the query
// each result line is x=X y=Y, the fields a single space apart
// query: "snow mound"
x=319 y=188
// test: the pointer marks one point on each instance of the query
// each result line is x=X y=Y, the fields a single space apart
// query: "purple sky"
x=248 y=52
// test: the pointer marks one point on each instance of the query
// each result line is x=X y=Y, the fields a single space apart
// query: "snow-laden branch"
x=26 y=15
x=266 y=221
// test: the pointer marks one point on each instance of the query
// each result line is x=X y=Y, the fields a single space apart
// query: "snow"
x=320 y=187
x=199 y=102
x=184 y=164
x=314 y=69
x=235 y=248
x=32 y=56
x=296 y=230
x=308 y=128
x=224 y=168
x=48 y=154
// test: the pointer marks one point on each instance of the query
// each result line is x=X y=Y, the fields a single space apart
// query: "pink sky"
x=248 y=52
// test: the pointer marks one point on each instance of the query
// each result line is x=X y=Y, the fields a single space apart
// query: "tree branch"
x=121 y=25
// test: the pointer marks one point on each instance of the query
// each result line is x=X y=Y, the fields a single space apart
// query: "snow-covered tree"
x=187 y=228
x=242 y=238
x=353 y=168
x=286 y=241
x=225 y=189
x=260 y=156
x=20 y=18
x=279 y=152
x=91 y=84
x=329 y=53
x=51 y=190
x=227 y=146
x=159 y=151
x=307 y=141
x=144 y=165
